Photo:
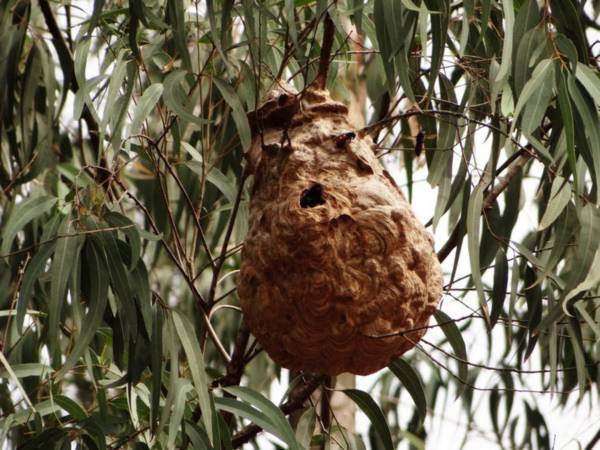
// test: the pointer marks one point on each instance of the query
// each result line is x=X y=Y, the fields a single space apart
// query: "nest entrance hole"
x=312 y=196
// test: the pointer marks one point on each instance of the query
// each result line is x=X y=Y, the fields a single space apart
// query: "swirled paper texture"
x=334 y=259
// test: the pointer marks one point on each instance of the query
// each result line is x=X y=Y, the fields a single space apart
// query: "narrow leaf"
x=62 y=264
x=455 y=339
x=374 y=413
x=189 y=341
x=97 y=275
x=473 y=220
x=145 y=106
x=23 y=213
x=238 y=113
x=269 y=409
x=411 y=381
x=560 y=194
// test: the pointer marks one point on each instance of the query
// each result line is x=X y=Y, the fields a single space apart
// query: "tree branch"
x=324 y=60
x=235 y=368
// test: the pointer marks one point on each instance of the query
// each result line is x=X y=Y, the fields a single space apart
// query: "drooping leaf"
x=473 y=225
x=145 y=106
x=560 y=195
x=238 y=113
x=455 y=339
x=366 y=403
x=412 y=382
x=126 y=226
x=24 y=213
x=69 y=243
x=177 y=100
x=249 y=412
x=272 y=412
x=196 y=365
x=96 y=273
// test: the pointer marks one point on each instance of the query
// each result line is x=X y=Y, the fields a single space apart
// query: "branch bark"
x=325 y=57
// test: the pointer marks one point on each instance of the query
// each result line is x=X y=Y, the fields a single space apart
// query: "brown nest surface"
x=337 y=274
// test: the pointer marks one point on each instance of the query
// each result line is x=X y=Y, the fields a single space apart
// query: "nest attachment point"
x=334 y=258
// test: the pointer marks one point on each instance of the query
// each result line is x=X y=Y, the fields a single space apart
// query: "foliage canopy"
x=124 y=206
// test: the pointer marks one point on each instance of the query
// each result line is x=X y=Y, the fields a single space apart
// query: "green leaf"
x=591 y=280
x=116 y=83
x=590 y=80
x=528 y=46
x=118 y=280
x=65 y=254
x=587 y=115
x=71 y=406
x=409 y=4
x=507 y=46
x=23 y=213
x=129 y=229
x=36 y=267
x=195 y=154
x=535 y=108
x=248 y=412
x=156 y=365
x=96 y=273
x=439 y=35
x=215 y=36
x=566 y=112
x=473 y=220
x=577 y=345
x=182 y=388
x=455 y=339
x=189 y=341
x=560 y=194
x=500 y=284
x=140 y=284
x=198 y=437
x=177 y=99
x=540 y=75
x=176 y=16
x=145 y=106
x=411 y=381
x=26 y=370
x=374 y=413
x=564 y=229
x=271 y=411
x=588 y=240
x=238 y=113
x=383 y=42
x=581 y=307
x=43 y=408
x=217 y=178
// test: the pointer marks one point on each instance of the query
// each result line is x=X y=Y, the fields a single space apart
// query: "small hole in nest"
x=312 y=197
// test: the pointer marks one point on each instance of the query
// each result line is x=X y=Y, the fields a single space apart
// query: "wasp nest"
x=334 y=259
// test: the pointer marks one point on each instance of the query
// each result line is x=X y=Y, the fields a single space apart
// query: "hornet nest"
x=337 y=274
